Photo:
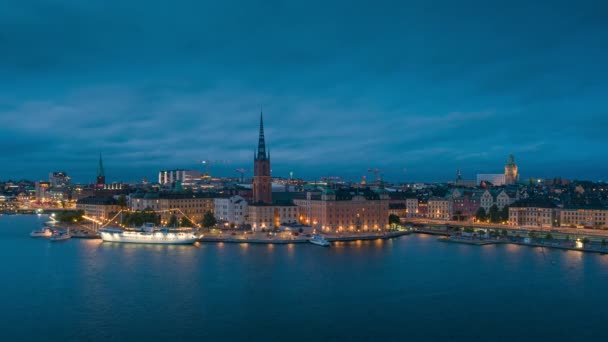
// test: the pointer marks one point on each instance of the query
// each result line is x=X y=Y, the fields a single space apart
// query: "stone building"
x=348 y=209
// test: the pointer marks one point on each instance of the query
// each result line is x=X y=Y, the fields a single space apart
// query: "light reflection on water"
x=189 y=292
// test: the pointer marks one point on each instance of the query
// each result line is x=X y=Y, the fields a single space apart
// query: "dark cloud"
x=427 y=86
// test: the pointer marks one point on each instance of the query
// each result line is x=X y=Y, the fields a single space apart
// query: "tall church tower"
x=101 y=178
x=262 y=190
x=511 y=174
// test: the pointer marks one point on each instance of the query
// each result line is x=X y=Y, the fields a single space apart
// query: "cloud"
x=428 y=86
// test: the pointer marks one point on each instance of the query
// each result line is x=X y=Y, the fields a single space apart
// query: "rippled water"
x=410 y=288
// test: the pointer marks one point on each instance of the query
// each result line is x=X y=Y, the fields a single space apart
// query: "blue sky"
x=417 y=88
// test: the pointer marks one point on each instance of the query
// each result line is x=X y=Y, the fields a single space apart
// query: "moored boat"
x=319 y=241
x=150 y=234
x=61 y=236
x=42 y=232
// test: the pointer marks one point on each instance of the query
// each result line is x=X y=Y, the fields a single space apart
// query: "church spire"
x=101 y=178
x=261 y=141
x=100 y=168
x=511 y=161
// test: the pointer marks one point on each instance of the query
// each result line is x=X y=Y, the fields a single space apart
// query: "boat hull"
x=142 y=238
x=319 y=243
x=41 y=234
x=60 y=238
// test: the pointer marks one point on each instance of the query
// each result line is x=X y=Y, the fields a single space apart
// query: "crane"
x=377 y=172
x=242 y=172
x=207 y=163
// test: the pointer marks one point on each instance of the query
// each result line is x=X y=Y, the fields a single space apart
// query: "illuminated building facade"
x=440 y=208
x=233 y=210
x=98 y=208
x=584 y=218
x=193 y=205
x=345 y=210
x=533 y=213
x=511 y=172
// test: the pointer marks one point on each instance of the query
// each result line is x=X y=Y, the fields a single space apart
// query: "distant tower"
x=458 y=176
x=511 y=175
x=101 y=178
x=262 y=190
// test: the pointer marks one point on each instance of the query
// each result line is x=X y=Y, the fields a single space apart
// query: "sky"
x=417 y=89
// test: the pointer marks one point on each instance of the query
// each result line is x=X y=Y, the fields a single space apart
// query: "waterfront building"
x=511 y=171
x=348 y=209
x=98 y=208
x=486 y=200
x=533 y=213
x=411 y=207
x=584 y=218
x=403 y=204
x=440 y=208
x=466 y=206
x=192 y=205
x=423 y=208
x=398 y=209
x=262 y=216
x=232 y=210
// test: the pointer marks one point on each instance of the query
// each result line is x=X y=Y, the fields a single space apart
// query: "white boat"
x=61 y=236
x=319 y=241
x=42 y=232
x=150 y=234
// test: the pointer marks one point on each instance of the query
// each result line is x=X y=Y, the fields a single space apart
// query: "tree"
x=185 y=222
x=481 y=214
x=549 y=236
x=532 y=234
x=585 y=240
x=70 y=216
x=504 y=214
x=172 y=221
x=138 y=218
x=393 y=219
x=494 y=214
x=505 y=232
x=481 y=233
x=457 y=215
x=122 y=201
x=209 y=220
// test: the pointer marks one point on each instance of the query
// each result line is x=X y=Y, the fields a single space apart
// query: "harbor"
x=265 y=238
x=446 y=234
x=411 y=276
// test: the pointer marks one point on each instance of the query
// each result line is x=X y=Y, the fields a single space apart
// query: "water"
x=411 y=288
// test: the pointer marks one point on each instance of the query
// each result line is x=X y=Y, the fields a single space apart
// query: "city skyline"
x=90 y=80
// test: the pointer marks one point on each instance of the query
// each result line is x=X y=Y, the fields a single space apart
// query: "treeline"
x=494 y=215
x=139 y=218
x=70 y=216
